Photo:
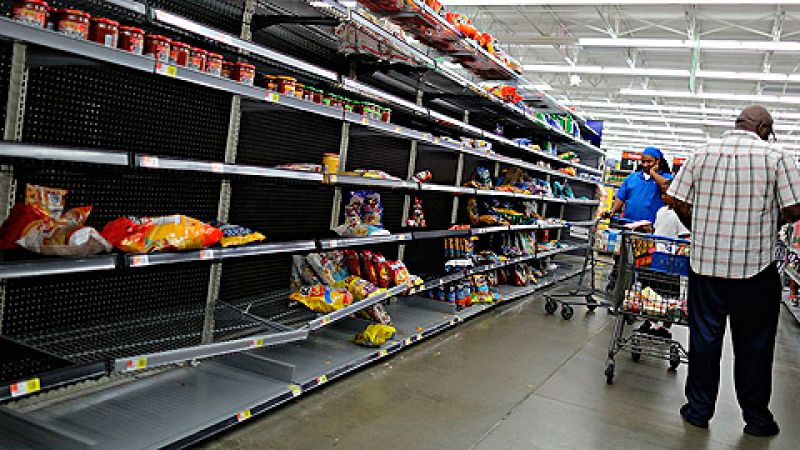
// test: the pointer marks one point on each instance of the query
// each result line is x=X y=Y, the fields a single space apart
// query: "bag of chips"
x=368 y=270
x=302 y=273
x=155 y=234
x=321 y=298
x=375 y=335
x=379 y=262
x=20 y=217
x=352 y=263
x=359 y=287
x=233 y=235
x=50 y=200
x=398 y=273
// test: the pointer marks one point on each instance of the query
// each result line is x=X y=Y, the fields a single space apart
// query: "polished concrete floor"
x=518 y=379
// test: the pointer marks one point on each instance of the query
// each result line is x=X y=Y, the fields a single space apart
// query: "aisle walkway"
x=517 y=379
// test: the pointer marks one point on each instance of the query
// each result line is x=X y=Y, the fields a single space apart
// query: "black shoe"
x=770 y=430
x=691 y=420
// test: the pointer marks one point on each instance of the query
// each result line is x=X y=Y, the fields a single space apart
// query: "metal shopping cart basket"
x=651 y=285
x=580 y=295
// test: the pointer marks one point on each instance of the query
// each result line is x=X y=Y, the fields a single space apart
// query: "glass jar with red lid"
x=214 y=64
x=227 y=69
x=285 y=85
x=244 y=73
x=52 y=18
x=386 y=114
x=73 y=23
x=30 y=12
x=131 y=39
x=104 y=31
x=158 y=46
x=179 y=53
x=197 y=59
x=299 y=89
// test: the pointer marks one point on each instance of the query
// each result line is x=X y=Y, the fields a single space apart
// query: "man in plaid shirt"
x=734 y=194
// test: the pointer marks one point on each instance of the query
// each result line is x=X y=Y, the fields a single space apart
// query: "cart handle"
x=660 y=238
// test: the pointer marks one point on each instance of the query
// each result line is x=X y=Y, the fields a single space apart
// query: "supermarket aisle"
x=520 y=379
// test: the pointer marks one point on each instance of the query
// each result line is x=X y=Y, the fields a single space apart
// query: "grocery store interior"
x=384 y=223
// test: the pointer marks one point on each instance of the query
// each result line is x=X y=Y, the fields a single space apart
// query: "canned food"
x=285 y=85
x=73 y=23
x=131 y=39
x=52 y=18
x=30 y=12
x=214 y=64
x=269 y=82
x=227 y=69
x=158 y=46
x=104 y=31
x=179 y=53
x=197 y=59
x=386 y=115
x=244 y=73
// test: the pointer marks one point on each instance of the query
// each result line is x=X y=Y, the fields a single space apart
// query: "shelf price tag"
x=166 y=69
x=244 y=415
x=296 y=390
x=365 y=121
x=383 y=353
x=397 y=129
x=322 y=379
x=149 y=162
x=206 y=254
x=137 y=364
x=273 y=97
x=26 y=387
x=217 y=167
x=139 y=260
x=325 y=320
x=256 y=343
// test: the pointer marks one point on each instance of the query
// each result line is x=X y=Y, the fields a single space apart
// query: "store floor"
x=518 y=379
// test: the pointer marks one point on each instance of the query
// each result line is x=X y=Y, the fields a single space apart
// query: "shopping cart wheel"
x=567 y=312
x=550 y=306
x=591 y=303
x=610 y=373
x=674 y=357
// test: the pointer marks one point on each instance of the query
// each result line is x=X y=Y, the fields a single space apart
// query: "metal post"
x=412 y=165
x=225 y=191
x=459 y=177
x=344 y=145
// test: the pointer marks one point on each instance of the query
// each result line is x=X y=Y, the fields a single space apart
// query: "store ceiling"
x=630 y=63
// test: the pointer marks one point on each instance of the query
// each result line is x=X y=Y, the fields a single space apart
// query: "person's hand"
x=653 y=171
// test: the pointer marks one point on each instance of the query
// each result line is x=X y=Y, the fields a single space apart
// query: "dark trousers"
x=753 y=306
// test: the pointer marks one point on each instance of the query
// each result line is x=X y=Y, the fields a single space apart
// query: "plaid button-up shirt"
x=736 y=186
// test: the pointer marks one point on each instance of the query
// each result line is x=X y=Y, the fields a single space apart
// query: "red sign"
x=632 y=155
x=678 y=161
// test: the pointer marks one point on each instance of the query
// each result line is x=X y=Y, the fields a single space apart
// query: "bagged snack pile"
x=363 y=216
x=234 y=235
x=321 y=298
x=155 y=234
x=374 y=335
x=41 y=225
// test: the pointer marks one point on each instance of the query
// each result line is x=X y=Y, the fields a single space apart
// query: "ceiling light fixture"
x=756 y=46
x=700 y=109
x=669 y=73
x=754 y=98
x=614 y=125
x=485 y=3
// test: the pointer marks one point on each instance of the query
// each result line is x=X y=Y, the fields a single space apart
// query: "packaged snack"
x=520 y=276
x=302 y=273
x=371 y=208
x=301 y=167
x=368 y=270
x=321 y=298
x=20 y=217
x=233 y=235
x=472 y=211
x=398 y=272
x=50 y=200
x=359 y=287
x=352 y=263
x=327 y=268
x=154 y=234
x=41 y=237
x=374 y=335
x=379 y=262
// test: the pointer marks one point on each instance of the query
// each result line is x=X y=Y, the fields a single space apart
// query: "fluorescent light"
x=758 y=46
x=752 y=98
x=614 y=2
x=646 y=136
x=672 y=73
x=700 y=109
x=615 y=125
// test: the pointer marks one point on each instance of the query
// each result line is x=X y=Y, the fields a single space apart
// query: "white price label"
x=139 y=260
x=296 y=390
x=383 y=353
x=244 y=415
x=137 y=364
x=365 y=121
x=217 y=167
x=149 y=161
x=273 y=97
x=206 y=254
x=25 y=387
x=256 y=343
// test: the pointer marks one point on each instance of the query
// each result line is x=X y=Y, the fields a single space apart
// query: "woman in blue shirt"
x=640 y=193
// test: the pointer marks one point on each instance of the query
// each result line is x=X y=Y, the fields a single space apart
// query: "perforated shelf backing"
x=282 y=136
x=119 y=194
x=83 y=316
x=113 y=108
x=378 y=152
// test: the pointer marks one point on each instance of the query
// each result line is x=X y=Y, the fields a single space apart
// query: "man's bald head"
x=757 y=119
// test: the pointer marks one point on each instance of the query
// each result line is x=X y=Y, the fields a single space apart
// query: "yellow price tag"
x=396 y=128
x=137 y=364
x=244 y=415
x=296 y=390
x=326 y=320
x=418 y=337
x=407 y=341
x=383 y=353
x=255 y=343
x=26 y=387
x=274 y=97
x=365 y=121
x=171 y=71
x=322 y=379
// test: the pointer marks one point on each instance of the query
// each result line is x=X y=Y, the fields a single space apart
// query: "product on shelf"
x=370 y=173
x=321 y=298
x=301 y=167
x=179 y=53
x=73 y=23
x=155 y=234
x=376 y=313
x=234 y=235
x=131 y=39
x=197 y=59
x=104 y=31
x=214 y=64
x=30 y=12
x=363 y=215
x=374 y=335
x=243 y=72
x=481 y=179
x=330 y=162
x=359 y=287
x=158 y=46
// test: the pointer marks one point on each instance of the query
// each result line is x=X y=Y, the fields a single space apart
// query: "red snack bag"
x=520 y=275
x=379 y=262
x=368 y=271
x=352 y=263
x=18 y=220
x=398 y=272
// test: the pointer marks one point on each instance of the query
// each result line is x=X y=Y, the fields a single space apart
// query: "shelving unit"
x=133 y=137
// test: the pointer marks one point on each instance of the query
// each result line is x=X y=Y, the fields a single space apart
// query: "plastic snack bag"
x=352 y=263
x=398 y=273
x=359 y=287
x=368 y=270
x=154 y=234
x=372 y=208
x=17 y=221
x=63 y=236
x=233 y=235
x=302 y=273
x=50 y=200
x=327 y=268
x=379 y=262
x=375 y=335
x=321 y=298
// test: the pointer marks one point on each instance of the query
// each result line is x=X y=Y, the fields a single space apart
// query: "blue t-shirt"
x=642 y=197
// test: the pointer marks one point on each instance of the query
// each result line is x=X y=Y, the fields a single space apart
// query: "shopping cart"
x=651 y=285
x=585 y=296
